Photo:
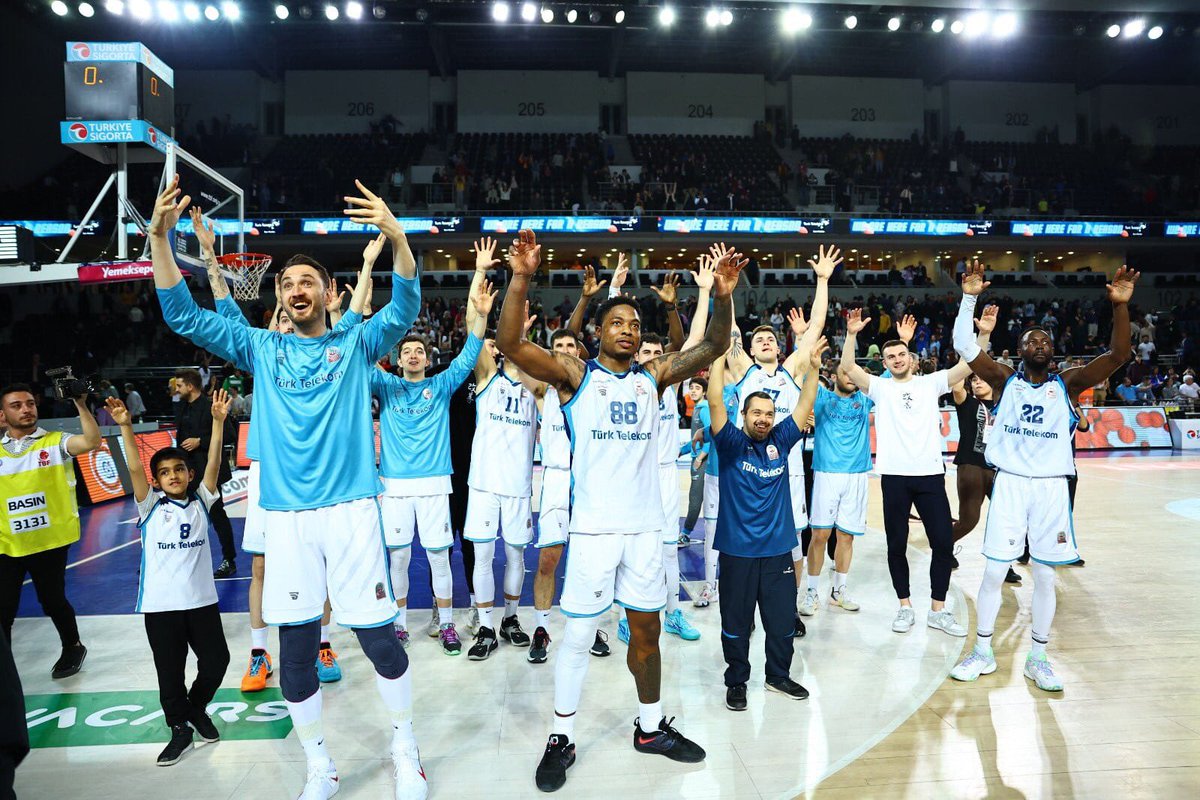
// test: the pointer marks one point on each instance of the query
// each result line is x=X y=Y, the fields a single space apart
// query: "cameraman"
x=39 y=517
x=193 y=434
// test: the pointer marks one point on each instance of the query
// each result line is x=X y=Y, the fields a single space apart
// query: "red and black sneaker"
x=666 y=741
x=552 y=770
x=539 y=651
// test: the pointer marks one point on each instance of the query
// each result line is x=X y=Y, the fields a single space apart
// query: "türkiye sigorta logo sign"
x=99 y=718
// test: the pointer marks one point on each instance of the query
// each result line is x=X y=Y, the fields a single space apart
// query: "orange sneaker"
x=259 y=669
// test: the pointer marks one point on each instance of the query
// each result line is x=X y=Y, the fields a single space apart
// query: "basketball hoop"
x=245 y=272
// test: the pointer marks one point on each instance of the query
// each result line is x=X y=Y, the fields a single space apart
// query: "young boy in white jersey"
x=610 y=405
x=320 y=483
x=176 y=591
x=1030 y=447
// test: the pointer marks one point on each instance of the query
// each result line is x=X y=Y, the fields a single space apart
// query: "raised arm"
x=857 y=375
x=1102 y=367
x=972 y=357
x=485 y=260
x=670 y=368
x=89 y=440
x=668 y=294
x=717 y=415
x=133 y=459
x=704 y=280
x=808 y=395
x=590 y=287
x=557 y=369
x=360 y=300
x=737 y=360
x=207 y=238
x=212 y=470
x=823 y=267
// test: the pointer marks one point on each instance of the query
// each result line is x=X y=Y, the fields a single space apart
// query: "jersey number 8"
x=623 y=412
x=185 y=530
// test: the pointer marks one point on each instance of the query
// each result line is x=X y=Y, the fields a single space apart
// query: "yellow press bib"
x=38 y=510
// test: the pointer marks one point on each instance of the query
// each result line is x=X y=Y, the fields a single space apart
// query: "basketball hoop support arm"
x=177 y=153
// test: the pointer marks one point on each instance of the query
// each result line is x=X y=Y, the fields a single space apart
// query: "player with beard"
x=1030 y=447
x=610 y=404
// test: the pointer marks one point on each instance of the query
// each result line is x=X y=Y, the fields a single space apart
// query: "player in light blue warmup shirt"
x=414 y=420
x=319 y=481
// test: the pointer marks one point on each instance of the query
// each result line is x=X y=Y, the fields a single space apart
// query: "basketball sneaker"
x=435 y=624
x=623 y=630
x=1012 y=576
x=1038 y=670
x=552 y=769
x=975 y=664
x=810 y=604
x=539 y=651
x=408 y=772
x=181 y=742
x=451 y=644
x=600 y=647
x=787 y=687
x=203 y=725
x=735 y=697
x=321 y=781
x=678 y=624
x=226 y=569
x=666 y=741
x=328 y=670
x=259 y=669
x=485 y=645
x=842 y=600
x=798 y=632
x=70 y=661
x=707 y=595
x=511 y=632
x=905 y=619
x=402 y=636
x=946 y=622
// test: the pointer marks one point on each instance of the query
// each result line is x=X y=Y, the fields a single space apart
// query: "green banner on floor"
x=99 y=718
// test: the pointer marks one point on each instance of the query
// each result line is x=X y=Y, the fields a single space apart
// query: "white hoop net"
x=245 y=272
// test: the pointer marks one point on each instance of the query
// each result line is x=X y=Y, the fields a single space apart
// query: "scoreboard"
x=118 y=81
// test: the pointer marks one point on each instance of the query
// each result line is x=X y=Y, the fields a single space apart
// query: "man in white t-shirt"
x=1145 y=349
x=908 y=459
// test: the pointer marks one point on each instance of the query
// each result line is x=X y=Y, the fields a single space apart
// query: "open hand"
x=973 y=282
x=704 y=274
x=370 y=209
x=205 y=235
x=485 y=254
x=220 y=405
x=728 y=271
x=855 y=321
x=797 y=321
x=818 y=352
x=906 y=328
x=826 y=262
x=168 y=208
x=117 y=409
x=484 y=298
x=669 y=289
x=1121 y=288
x=987 y=323
x=621 y=272
x=525 y=254
x=372 y=250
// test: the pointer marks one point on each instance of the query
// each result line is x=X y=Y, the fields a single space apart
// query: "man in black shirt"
x=194 y=432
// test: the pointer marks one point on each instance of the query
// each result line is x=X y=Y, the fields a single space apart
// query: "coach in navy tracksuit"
x=756 y=531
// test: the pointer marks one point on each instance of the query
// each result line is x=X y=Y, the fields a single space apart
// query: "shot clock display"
x=118 y=81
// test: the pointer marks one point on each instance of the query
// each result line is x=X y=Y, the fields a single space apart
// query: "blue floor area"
x=108 y=582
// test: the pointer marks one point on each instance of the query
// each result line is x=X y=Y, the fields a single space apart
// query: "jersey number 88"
x=623 y=412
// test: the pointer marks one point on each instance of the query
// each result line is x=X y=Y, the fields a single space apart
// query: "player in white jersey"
x=1030 y=447
x=500 y=487
x=320 y=484
x=610 y=407
x=176 y=591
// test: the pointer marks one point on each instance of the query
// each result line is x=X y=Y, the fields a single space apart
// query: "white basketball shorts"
x=799 y=500
x=491 y=515
x=840 y=501
x=254 y=534
x=335 y=551
x=554 y=507
x=1038 y=508
x=668 y=482
x=623 y=567
x=712 y=497
x=427 y=516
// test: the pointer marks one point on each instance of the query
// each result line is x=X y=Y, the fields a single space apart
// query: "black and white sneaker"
x=70 y=662
x=666 y=741
x=552 y=769
x=485 y=645
x=800 y=630
x=735 y=697
x=1012 y=576
x=787 y=686
x=204 y=726
x=511 y=632
x=600 y=647
x=227 y=569
x=181 y=742
x=539 y=651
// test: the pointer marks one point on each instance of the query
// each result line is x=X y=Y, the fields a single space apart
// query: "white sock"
x=564 y=726
x=485 y=617
x=649 y=715
x=839 y=581
x=541 y=619
x=1044 y=605
x=1038 y=650
x=397 y=696
x=445 y=615
x=258 y=638
x=306 y=719
x=813 y=580
x=402 y=617
x=983 y=644
x=510 y=607
x=324 y=633
x=471 y=597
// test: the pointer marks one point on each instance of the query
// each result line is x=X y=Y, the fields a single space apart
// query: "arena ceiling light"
x=1004 y=26
x=282 y=12
x=354 y=9
x=851 y=22
x=794 y=20
x=726 y=17
x=114 y=7
x=547 y=14
x=976 y=24
x=500 y=12
x=1134 y=28
x=712 y=18
x=957 y=26
x=379 y=12
x=572 y=15
x=894 y=24
x=59 y=8
x=1154 y=33
x=191 y=12
x=594 y=16
x=232 y=11
x=528 y=12
x=140 y=9
x=666 y=16
x=86 y=10
x=1113 y=31
x=619 y=17
x=331 y=12
x=168 y=11
x=938 y=25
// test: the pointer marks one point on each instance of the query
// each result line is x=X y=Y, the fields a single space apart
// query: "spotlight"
x=938 y=25
x=86 y=10
x=1004 y=26
x=1155 y=33
x=211 y=14
x=281 y=11
x=727 y=17
x=331 y=12
x=168 y=11
x=594 y=16
x=572 y=15
x=500 y=12
x=191 y=12
x=59 y=7
x=957 y=26
x=894 y=24
x=977 y=24
x=795 y=21
x=116 y=7
x=547 y=15
x=851 y=22
x=528 y=12
x=666 y=16
x=140 y=9
x=354 y=9
x=379 y=12
x=1134 y=28
x=712 y=18
x=619 y=17
x=232 y=11
x=1113 y=31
